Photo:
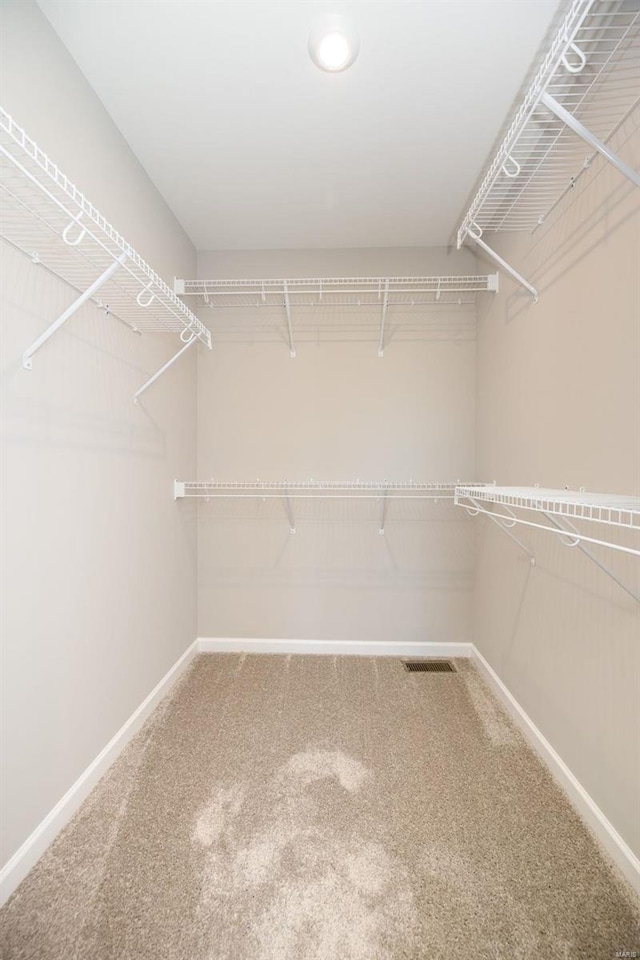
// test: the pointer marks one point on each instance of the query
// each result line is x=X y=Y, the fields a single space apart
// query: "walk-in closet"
x=320 y=479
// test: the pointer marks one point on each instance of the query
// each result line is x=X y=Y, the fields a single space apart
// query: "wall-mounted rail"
x=45 y=216
x=302 y=304
x=557 y=511
x=584 y=89
x=382 y=491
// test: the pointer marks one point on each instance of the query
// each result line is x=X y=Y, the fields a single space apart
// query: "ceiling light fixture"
x=333 y=43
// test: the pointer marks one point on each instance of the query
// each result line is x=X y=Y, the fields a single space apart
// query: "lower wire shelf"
x=382 y=491
x=556 y=512
x=314 y=488
x=553 y=510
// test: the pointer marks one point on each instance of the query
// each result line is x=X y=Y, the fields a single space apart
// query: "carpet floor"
x=323 y=808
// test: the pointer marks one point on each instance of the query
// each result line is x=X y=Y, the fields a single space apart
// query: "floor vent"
x=429 y=666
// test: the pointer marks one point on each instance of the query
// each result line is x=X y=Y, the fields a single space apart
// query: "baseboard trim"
x=336 y=648
x=604 y=831
x=16 y=869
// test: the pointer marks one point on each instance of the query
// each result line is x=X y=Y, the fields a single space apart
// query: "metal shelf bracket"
x=192 y=338
x=568 y=529
x=62 y=319
x=503 y=523
x=287 y=307
x=383 y=320
x=475 y=232
x=383 y=518
x=574 y=124
x=289 y=509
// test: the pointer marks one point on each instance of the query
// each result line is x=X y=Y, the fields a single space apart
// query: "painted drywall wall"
x=336 y=412
x=99 y=569
x=559 y=405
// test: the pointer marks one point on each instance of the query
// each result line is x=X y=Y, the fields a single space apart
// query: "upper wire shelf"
x=337 y=291
x=343 y=307
x=584 y=89
x=46 y=216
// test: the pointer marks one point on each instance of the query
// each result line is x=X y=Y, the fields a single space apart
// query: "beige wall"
x=559 y=405
x=99 y=569
x=335 y=412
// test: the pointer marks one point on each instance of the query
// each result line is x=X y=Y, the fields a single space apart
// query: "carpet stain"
x=495 y=722
x=223 y=807
x=305 y=768
x=330 y=892
x=351 y=902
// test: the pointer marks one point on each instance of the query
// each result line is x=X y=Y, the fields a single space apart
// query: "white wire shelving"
x=45 y=216
x=382 y=491
x=585 y=88
x=561 y=509
x=364 y=305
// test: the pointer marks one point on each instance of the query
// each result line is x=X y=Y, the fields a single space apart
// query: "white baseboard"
x=16 y=869
x=604 y=832
x=336 y=648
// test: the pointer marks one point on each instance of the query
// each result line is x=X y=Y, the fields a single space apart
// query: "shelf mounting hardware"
x=475 y=232
x=143 y=301
x=62 y=319
x=503 y=523
x=511 y=168
x=574 y=124
x=287 y=307
x=77 y=240
x=188 y=342
x=383 y=316
x=383 y=518
x=568 y=529
x=289 y=509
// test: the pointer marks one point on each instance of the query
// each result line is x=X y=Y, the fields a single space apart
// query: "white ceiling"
x=253 y=147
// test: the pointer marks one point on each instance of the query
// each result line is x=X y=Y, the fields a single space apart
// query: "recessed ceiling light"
x=333 y=43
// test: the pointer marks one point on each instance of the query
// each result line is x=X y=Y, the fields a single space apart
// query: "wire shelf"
x=592 y=72
x=51 y=221
x=319 y=489
x=330 y=292
x=341 y=308
x=606 y=508
x=559 y=508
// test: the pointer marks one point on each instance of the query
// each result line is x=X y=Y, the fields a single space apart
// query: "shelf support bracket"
x=502 y=524
x=287 y=307
x=477 y=236
x=383 y=320
x=187 y=343
x=565 y=529
x=62 y=319
x=289 y=509
x=383 y=518
x=574 y=124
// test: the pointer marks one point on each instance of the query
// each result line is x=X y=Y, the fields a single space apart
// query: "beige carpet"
x=319 y=808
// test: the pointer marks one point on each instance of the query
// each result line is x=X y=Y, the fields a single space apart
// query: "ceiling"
x=253 y=147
